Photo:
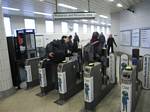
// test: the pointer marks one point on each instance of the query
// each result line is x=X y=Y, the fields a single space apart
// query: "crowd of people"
x=57 y=50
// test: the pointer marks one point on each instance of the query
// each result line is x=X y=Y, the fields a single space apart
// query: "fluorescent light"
x=110 y=0
x=84 y=20
x=119 y=5
x=41 y=13
x=103 y=23
x=109 y=24
x=102 y=16
x=94 y=21
x=9 y=8
x=85 y=11
x=67 y=6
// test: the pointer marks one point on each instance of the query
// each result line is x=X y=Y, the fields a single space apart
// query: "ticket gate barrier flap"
x=42 y=74
x=88 y=89
x=112 y=73
x=124 y=60
x=29 y=74
x=62 y=82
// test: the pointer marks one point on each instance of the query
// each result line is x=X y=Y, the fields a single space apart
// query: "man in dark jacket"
x=57 y=49
x=110 y=43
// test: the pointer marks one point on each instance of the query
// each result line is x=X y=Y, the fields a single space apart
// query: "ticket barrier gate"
x=48 y=76
x=69 y=83
x=130 y=90
x=31 y=67
x=94 y=89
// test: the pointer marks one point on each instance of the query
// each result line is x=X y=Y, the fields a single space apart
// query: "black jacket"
x=59 y=48
x=111 y=41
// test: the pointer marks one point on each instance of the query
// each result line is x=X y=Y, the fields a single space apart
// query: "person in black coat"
x=57 y=49
x=110 y=43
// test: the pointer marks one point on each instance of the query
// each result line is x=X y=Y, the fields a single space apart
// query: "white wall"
x=5 y=73
x=17 y=22
x=128 y=20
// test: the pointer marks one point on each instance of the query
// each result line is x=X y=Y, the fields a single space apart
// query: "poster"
x=43 y=80
x=62 y=85
x=146 y=72
x=40 y=41
x=126 y=97
x=125 y=38
x=88 y=89
x=29 y=74
x=112 y=65
x=135 y=37
x=145 y=38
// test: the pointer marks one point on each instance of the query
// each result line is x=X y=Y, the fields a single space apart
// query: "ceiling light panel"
x=102 y=16
x=10 y=8
x=119 y=5
x=67 y=6
x=41 y=13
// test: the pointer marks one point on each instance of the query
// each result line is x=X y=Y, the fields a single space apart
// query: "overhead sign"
x=74 y=15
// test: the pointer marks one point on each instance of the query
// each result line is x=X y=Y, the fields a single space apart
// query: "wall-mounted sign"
x=145 y=38
x=74 y=15
x=125 y=38
x=135 y=37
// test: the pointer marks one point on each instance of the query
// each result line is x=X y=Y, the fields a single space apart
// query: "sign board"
x=126 y=97
x=146 y=72
x=29 y=74
x=135 y=37
x=125 y=38
x=145 y=38
x=62 y=85
x=43 y=80
x=88 y=89
x=74 y=15
x=112 y=65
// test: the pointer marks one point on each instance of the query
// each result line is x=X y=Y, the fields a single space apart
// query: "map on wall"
x=135 y=37
x=145 y=38
x=125 y=38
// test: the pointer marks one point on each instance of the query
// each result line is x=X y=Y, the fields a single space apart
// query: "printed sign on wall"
x=88 y=89
x=135 y=37
x=126 y=97
x=112 y=68
x=43 y=80
x=146 y=72
x=29 y=74
x=62 y=82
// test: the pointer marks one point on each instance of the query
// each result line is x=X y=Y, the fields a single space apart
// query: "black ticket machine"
x=26 y=44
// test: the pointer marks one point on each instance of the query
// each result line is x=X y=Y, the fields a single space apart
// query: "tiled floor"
x=27 y=101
